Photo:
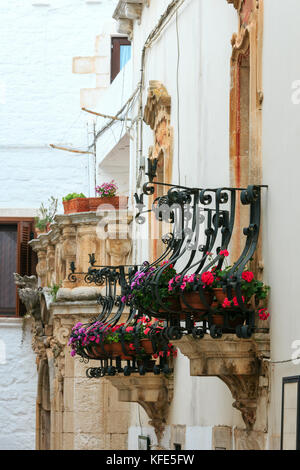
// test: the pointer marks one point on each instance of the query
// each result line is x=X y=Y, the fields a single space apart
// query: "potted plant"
x=107 y=194
x=75 y=202
x=45 y=216
x=100 y=341
x=142 y=293
x=189 y=286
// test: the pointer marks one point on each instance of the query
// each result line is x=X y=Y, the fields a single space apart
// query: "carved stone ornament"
x=238 y=363
x=158 y=99
x=153 y=392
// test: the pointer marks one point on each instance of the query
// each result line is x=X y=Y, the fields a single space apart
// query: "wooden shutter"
x=115 y=55
x=27 y=258
x=8 y=266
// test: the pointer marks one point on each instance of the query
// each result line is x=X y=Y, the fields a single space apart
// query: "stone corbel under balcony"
x=239 y=363
x=126 y=12
x=153 y=392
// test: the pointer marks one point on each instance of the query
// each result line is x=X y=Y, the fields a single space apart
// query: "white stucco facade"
x=18 y=381
x=197 y=77
x=40 y=100
x=205 y=29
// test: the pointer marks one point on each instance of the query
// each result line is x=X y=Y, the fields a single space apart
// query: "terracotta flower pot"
x=94 y=351
x=117 y=351
x=173 y=304
x=38 y=232
x=218 y=319
x=79 y=204
x=118 y=202
x=193 y=299
x=146 y=344
x=221 y=295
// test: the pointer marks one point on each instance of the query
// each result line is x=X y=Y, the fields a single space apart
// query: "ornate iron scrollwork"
x=203 y=222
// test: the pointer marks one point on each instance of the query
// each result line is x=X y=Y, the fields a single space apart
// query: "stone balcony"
x=68 y=417
x=242 y=364
x=72 y=237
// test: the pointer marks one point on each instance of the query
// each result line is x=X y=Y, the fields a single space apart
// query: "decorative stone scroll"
x=153 y=392
x=239 y=363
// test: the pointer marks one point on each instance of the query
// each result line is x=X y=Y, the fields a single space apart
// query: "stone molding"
x=153 y=392
x=126 y=12
x=239 y=364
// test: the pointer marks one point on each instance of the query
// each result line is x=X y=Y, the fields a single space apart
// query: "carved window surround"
x=246 y=99
x=239 y=363
x=126 y=12
x=157 y=115
x=153 y=392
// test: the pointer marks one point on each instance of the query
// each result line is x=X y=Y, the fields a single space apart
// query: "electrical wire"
x=281 y=362
x=178 y=99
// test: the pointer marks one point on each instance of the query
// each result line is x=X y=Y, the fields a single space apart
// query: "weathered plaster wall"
x=39 y=105
x=18 y=382
x=203 y=127
x=281 y=167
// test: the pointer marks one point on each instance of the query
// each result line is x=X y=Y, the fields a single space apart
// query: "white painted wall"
x=40 y=97
x=205 y=29
x=281 y=169
x=18 y=387
x=39 y=105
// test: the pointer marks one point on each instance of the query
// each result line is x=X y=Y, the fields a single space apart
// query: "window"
x=290 y=414
x=120 y=55
x=15 y=257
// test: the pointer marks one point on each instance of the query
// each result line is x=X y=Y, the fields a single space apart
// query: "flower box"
x=193 y=299
x=91 y=204
x=118 y=202
x=79 y=204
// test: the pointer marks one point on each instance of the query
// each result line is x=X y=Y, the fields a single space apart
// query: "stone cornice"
x=126 y=12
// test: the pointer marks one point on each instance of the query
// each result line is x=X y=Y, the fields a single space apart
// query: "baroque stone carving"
x=154 y=393
x=238 y=363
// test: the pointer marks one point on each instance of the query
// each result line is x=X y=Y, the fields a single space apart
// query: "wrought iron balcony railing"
x=203 y=222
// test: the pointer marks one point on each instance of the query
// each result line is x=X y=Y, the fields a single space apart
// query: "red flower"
x=131 y=346
x=226 y=303
x=248 y=276
x=147 y=331
x=224 y=253
x=129 y=328
x=263 y=314
x=235 y=301
x=155 y=356
x=207 y=278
